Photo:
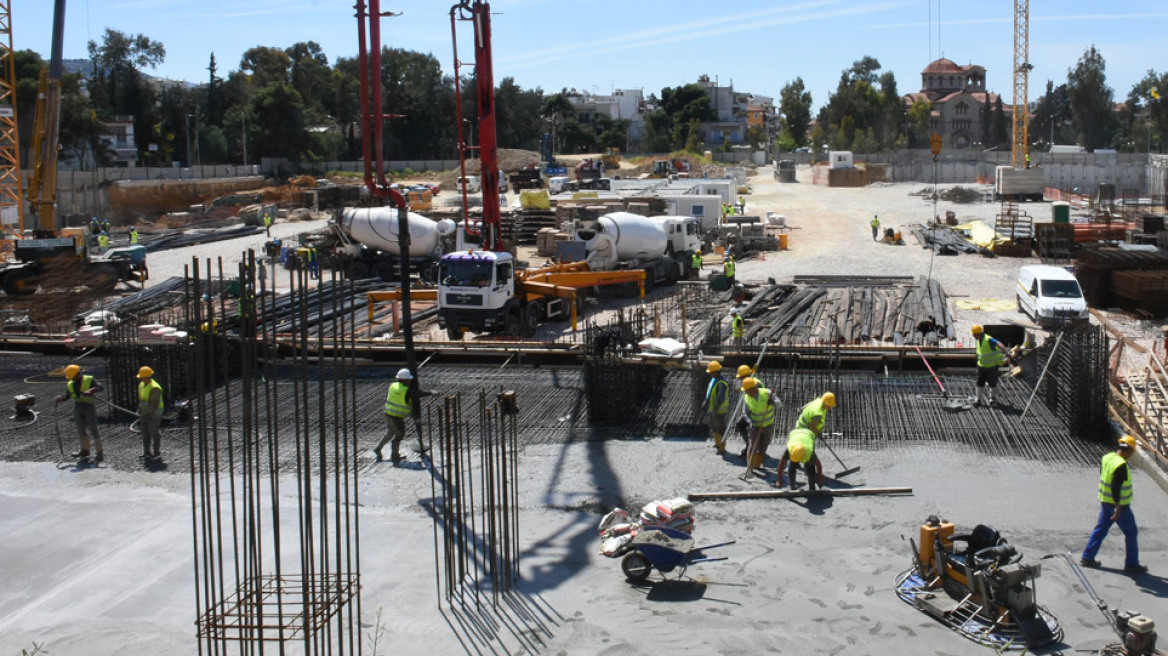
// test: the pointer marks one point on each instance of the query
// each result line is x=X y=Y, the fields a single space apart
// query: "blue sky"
x=601 y=45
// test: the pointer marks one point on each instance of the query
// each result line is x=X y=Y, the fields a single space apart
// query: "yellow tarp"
x=535 y=199
x=981 y=234
x=985 y=304
x=585 y=194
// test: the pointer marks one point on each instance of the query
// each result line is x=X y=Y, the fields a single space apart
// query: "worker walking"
x=267 y=223
x=695 y=265
x=728 y=270
x=81 y=388
x=990 y=355
x=813 y=416
x=1115 y=497
x=133 y=235
x=103 y=241
x=875 y=223
x=313 y=264
x=737 y=327
x=717 y=404
x=800 y=451
x=150 y=408
x=399 y=404
x=760 y=408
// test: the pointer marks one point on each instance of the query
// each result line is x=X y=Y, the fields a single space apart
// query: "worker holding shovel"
x=800 y=451
x=813 y=416
x=760 y=407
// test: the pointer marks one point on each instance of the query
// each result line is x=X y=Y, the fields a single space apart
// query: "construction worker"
x=313 y=264
x=399 y=404
x=695 y=265
x=875 y=223
x=1115 y=495
x=106 y=227
x=737 y=327
x=728 y=270
x=744 y=371
x=133 y=235
x=717 y=404
x=94 y=226
x=81 y=388
x=267 y=223
x=103 y=241
x=990 y=355
x=800 y=451
x=742 y=205
x=1027 y=160
x=760 y=408
x=150 y=408
x=813 y=416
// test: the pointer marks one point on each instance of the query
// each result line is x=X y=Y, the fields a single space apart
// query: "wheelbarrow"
x=665 y=550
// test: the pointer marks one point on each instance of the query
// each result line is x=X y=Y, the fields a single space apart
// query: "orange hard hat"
x=145 y=372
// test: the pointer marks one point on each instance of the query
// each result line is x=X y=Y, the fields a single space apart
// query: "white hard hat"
x=404 y=374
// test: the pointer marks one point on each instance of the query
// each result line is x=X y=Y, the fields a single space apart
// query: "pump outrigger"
x=974 y=583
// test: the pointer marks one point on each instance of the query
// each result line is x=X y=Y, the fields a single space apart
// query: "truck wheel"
x=531 y=318
x=512 y=325
x=21 y=282
x=358 y=270
x=454 y=334
x=671 y=275
x=648 y=279
x=382 y=271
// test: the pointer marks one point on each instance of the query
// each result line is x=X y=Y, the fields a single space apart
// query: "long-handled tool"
x=847 y=470
x=738 y=408
x=944 y=392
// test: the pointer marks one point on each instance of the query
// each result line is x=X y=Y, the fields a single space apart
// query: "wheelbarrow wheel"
x=636 y=566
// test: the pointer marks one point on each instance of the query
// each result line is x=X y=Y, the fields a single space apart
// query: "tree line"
x=293 y=103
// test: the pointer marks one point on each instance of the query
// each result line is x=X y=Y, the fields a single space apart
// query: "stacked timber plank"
x=836 y=312
x=522 y=226
x=943 y=239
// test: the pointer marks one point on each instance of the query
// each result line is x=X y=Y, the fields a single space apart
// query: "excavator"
x=56 y=256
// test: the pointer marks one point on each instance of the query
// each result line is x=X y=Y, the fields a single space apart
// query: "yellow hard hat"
x=799 y=453
x=1127 y=442
x=145 y=372
x=749 y=383
x=714 y=367
x=72 y=370
x=977 y=329
x=829 y=399
x=744 y=371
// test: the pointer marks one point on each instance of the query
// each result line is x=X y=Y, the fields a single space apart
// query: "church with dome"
x=959 y=99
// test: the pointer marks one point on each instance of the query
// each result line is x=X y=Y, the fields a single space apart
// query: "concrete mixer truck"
x=369 y=248
x=659 y=245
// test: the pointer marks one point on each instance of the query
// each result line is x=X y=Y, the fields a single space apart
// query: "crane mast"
x=1022 y=66
x=11 y=197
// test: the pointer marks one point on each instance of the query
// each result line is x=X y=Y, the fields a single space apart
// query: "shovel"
x=846 y=470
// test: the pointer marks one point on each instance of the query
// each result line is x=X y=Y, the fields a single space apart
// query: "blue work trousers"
x=1127 y=524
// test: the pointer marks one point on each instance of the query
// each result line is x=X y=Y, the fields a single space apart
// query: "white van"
x=1050 y=295
x=557 y=184
x=473 y=184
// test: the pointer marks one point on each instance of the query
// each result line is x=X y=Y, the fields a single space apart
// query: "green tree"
x=795 y=107
x=117 y=86
x=518 y=113
x=309 y=73
x=687 y=106
x=266 y=66
x=280 y=130
x=1145 y=116
x=918 y=124
x=863 y=102
x=1091 y=101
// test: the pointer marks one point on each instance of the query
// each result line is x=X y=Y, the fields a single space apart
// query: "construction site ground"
x=99 y=560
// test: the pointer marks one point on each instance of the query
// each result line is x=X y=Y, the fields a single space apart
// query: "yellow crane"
x=11 y=196
x=1022 y=69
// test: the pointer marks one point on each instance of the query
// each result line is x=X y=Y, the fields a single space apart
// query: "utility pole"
x=189 y=116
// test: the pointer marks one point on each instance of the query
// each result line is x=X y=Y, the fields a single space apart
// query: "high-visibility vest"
x=804 y=437
x=987 y=355
x=267 y=220
x=86 y=384
x=812 y=413
x=133 y=236
x=728 y=268
x=695 y=261
x=737 y=327
x=713 y=405
x=103 y=240
x=875 y=222
x=396 y=403
x=762 y=413
x=144 y=390
x=1111 y=462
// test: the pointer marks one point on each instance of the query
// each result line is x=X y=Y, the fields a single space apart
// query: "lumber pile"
x=943 y=239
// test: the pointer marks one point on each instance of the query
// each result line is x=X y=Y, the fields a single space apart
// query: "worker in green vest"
x=1115 y=497
x=133 y=235
x=760 y=408
x=717 y=404
x=875 y=223
x=800 y=451
x=81 y=388
x=103 y=241
x=150 y=409
x=737 y=327
x=267 y=222
x=990 y=356
x=399 y=404
x=728 y=270
x=695 y=265
x=813 y=416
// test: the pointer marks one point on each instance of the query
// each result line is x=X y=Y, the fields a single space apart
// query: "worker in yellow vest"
x=103 y=241
x=717 y=404
x=728 y=270
x=150 y=409
x=800 y=451
x=990 y=356
x=695 y=265
x=1115 y=497
x=737 y=327
x=875 y=223
x=133 y=235
x=399 y=404
x=813 y=416
x=81 y=388
x=760 y=408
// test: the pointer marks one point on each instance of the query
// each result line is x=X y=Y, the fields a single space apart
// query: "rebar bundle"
x=253 y=583
x=475 y=490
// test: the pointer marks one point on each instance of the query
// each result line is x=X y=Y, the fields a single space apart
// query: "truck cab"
x=684 y=234
x=476 y=292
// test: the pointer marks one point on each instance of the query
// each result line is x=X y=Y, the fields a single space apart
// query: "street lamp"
x=189 y=117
